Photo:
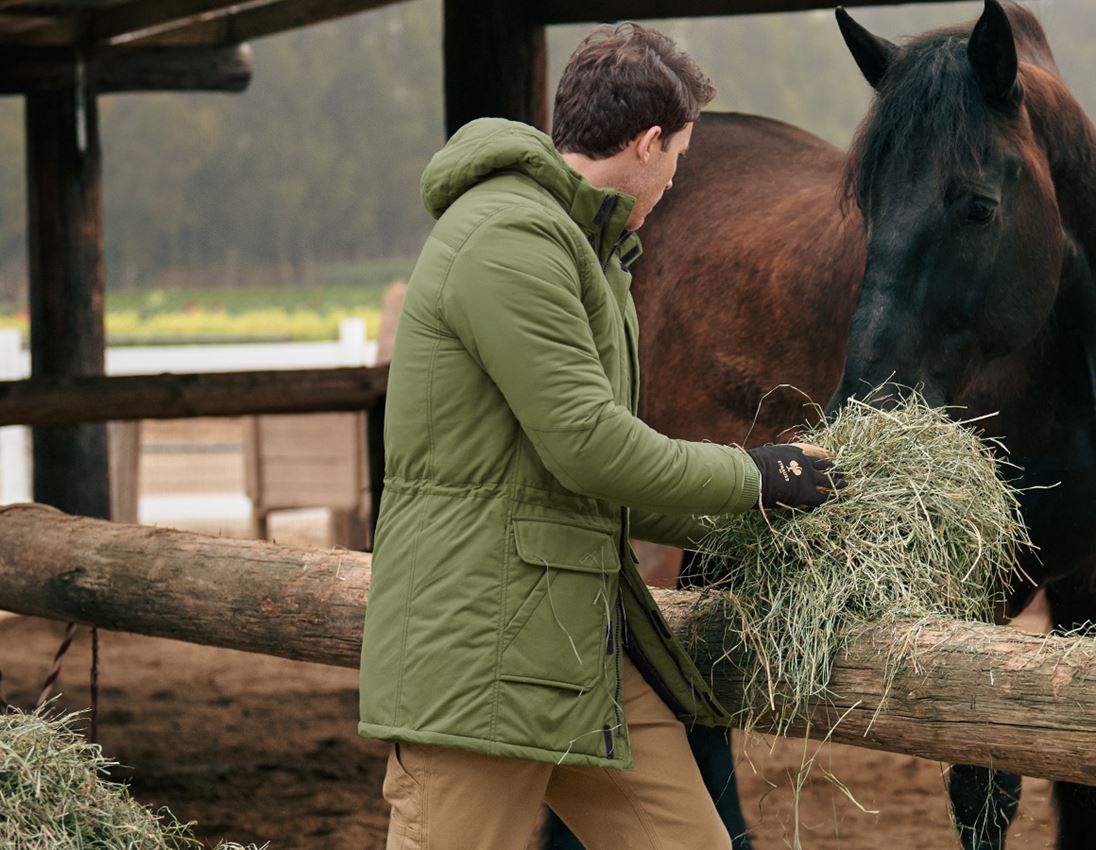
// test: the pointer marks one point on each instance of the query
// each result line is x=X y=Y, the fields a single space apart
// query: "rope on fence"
x=55 y=671
x=94 y=736
x=55 y=668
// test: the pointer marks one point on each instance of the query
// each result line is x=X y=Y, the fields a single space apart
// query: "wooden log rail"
x=976 y=694
x=70 y=400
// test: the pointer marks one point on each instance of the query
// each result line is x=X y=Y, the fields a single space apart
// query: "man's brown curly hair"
x=621 y=80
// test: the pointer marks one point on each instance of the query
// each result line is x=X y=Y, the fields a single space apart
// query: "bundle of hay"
x=927 y=527
x=54 y=795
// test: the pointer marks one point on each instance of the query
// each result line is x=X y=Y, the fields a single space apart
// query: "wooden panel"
x=321 y=435
x=191 y=473
x=309 y=487
x=124 y=445
x=306 y=461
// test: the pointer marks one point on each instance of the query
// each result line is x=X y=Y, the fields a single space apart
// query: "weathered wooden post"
x=65 y=235
x=495 y=63
x=65 y=227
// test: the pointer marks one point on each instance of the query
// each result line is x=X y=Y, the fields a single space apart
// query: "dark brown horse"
x=950 y=248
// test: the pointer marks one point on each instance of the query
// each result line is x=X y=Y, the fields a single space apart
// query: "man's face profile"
x=651 y=167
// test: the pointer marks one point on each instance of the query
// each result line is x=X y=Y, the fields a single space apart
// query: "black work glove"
x=795 y=475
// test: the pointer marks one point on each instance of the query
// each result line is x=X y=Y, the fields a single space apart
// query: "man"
x=512 y=653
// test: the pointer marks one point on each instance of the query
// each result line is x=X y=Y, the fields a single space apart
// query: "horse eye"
x=981 y=210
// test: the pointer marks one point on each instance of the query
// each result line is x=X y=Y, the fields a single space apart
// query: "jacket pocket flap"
x=565 y=547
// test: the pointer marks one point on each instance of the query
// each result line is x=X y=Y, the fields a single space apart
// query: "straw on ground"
x=55 y=794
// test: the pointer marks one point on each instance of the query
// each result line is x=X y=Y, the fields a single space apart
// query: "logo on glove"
x=792 y=467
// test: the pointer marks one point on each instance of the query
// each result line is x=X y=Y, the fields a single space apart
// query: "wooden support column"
x=64 y=225
x=495 y=63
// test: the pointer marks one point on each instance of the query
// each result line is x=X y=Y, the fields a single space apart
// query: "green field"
x=298 y=313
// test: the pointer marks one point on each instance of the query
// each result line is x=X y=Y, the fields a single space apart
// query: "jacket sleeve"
x=684 y=532
x=513 y=298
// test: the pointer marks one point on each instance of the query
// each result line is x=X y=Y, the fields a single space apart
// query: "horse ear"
x=872 y=53
x=992 y=53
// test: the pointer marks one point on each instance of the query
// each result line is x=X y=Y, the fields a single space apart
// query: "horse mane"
x=929 y=108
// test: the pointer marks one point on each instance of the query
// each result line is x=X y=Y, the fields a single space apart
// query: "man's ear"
x=646 y=141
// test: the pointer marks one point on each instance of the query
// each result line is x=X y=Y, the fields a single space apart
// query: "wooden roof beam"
x=26 y=70
x=259 y=21
x=37 y=32
x=187 y=22
x=580 y=11
x=21 y=23
x=122 y=23
x=102 y=25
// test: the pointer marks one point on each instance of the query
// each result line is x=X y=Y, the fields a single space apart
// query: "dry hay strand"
x=928 y=526
x=54 y=794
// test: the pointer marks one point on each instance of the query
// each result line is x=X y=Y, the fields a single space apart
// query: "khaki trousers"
x=447 y=799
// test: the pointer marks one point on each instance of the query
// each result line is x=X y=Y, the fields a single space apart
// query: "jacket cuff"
x=746 y=494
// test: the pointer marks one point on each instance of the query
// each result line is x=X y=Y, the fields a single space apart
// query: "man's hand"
x=795 y=475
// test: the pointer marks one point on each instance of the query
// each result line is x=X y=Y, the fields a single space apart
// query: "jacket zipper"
x=616 y=648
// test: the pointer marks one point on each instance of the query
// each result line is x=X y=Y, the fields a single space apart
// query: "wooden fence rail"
x=78 y=399
x=976 y=694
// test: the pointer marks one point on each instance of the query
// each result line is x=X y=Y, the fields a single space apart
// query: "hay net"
x=928 y=526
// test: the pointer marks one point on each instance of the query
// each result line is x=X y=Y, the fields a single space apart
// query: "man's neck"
x=600 y=173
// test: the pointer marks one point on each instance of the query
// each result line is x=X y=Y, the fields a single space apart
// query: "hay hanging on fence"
x=54 y=794
x=927 y=527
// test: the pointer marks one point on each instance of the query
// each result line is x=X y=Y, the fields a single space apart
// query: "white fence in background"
x=351 y=349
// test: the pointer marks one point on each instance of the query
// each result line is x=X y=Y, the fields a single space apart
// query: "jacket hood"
x=485 y=146
x=488 y=146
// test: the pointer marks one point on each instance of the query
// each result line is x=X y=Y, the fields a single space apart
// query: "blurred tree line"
x=319 y=161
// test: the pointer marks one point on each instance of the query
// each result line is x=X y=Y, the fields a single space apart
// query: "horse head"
x=955 y=177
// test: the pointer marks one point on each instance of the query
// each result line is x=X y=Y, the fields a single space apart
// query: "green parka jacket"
x=503 y=589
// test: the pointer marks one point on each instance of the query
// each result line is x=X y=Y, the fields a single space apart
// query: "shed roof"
x=102 y=23
x=106 y=23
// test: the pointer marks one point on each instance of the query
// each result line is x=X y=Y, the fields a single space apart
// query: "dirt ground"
x=259 y=749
